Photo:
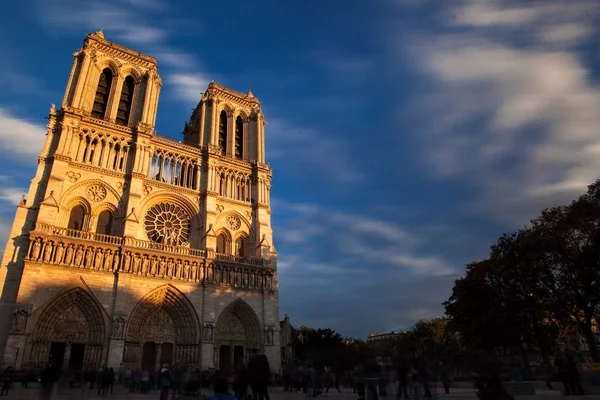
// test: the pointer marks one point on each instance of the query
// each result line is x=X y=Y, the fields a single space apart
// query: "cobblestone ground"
x=275 y=393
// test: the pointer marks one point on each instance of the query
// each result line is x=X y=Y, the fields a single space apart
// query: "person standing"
x=164 y=382
x=260 y=376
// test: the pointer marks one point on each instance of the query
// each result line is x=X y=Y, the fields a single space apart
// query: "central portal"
x=163 y=329
x=237 y=335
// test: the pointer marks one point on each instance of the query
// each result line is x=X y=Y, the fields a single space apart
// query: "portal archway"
x=69 y=333
x=237 y=335
x=163 y=328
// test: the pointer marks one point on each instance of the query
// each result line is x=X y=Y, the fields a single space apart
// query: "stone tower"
x=136 y=249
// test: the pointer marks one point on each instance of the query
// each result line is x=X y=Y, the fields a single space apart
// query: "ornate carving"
x=118 y=325
x=209 y=329
x=233 y=222
x=167 y=223
x=96 y=192
x=220 y=208
x=122 y=186
x=73 y=176
x=249 y=215
x=147 y=189
x=20 y=321
x=270 y=336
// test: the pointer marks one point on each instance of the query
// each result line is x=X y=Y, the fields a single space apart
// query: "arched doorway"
x=237 y=335
x=162 y=329
x=69 y=333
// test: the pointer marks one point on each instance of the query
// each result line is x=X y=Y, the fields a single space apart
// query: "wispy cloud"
x=312 y=151
x=134 y=25
x=515 y=107
x=20 y=137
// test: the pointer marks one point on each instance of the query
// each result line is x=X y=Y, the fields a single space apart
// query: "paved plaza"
x=276 y=393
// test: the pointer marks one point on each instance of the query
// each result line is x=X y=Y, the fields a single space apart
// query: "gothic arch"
x=228 y=108
x=107 y=62
x=170 y=197
x=65 y=213
x=72 y=317
x=130 y=69
x=237 y=325
x=245 y=225
x=75 y=195
x=163 y=315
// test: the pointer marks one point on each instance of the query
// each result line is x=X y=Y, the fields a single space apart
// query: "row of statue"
x=100 y=259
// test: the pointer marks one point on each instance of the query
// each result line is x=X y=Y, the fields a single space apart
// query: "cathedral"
x=135 y=250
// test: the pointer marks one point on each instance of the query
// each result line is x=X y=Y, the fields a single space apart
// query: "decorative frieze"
x=104 y=253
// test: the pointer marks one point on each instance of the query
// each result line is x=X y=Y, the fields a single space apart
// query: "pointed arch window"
x=76 y=218
x=223 y=131
x=222 y=244
x=102 y=93
x=239 y=137
x=125 y=101
x=240 y=247
x=104 y=224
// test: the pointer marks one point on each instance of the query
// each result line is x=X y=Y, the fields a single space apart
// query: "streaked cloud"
x=19 y=137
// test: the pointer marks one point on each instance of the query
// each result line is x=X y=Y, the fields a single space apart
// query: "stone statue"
x=161 y=267
x=252 y=279
x=170 y=268
x=208 y=332
x=107 y=260
x=37 y=246
x=69 y=255
x=209 y=273
x=89 y=254
x=20 y=320
x=145 y=263
x=99 y=259
x=194 y=271
x=178 y=269
x=118 y=327
x=246 y=278
x=116 y=261
x=136 y=264
x=78 y=256
x=58 y=256
x=126 y=262
x=153 y=266
x=47 y=252
x=186 y=270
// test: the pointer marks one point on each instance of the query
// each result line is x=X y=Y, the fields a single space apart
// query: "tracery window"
x=168 y=224
x=76 y=218
x=125 y=101
x=104 y=224
x=223 y=131
x=102 y=93
x=239 y=137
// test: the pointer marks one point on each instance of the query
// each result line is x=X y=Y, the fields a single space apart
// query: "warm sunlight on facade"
x=135 y=249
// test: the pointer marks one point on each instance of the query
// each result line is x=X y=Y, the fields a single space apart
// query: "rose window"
x=167 y=223
x=96 y=192
x=233 y=222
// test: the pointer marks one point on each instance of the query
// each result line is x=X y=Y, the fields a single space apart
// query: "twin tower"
x=135 y=249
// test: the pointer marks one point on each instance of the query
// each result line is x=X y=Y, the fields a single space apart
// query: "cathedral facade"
x=134 y=249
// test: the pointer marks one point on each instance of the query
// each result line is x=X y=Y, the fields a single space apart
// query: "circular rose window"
x=168 y=224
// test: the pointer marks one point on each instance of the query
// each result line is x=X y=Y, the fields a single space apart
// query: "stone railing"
x=63 y=247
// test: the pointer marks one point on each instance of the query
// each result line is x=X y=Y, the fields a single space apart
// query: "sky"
x=404 y=135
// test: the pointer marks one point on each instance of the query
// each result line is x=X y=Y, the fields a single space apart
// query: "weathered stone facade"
x=132 y=248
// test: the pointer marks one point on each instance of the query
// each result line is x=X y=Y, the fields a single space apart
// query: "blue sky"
x=404 y=135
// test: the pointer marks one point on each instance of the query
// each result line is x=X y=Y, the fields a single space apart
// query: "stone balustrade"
x=51 y=245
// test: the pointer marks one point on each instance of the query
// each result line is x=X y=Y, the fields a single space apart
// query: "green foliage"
x=539 y=283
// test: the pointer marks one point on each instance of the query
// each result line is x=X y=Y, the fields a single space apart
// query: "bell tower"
x=113 y=83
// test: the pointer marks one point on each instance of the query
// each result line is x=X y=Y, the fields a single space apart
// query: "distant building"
x=379 y=337
x=287 y=335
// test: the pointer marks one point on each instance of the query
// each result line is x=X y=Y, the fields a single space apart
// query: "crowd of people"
x=373 y=379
